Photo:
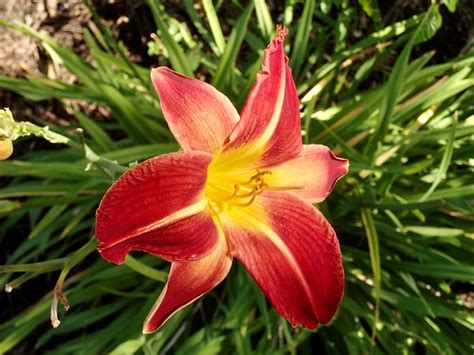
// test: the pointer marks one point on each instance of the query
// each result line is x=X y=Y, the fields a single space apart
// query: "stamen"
x=246 y=203
x=245 y=195
x=249 y=189
x=259 y=174
x=220 y=194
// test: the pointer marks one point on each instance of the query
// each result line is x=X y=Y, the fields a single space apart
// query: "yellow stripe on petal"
x=269 y=130
x=167 y=220
x=254 y=219
x=292 y=253
x=158 y=207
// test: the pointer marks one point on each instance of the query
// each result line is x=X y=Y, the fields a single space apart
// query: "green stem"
x=110 y=167
x=80 y=254
x=20 y=281
x=41 y=267
x=66 y=263
x=289 y=339
x=70 y=262
x=145 y=270
x=23 y=128
x=76 y=258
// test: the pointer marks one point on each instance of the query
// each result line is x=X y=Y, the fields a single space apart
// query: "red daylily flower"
x=242 y=187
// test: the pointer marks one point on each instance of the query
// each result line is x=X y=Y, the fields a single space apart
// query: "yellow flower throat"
x=226 y=189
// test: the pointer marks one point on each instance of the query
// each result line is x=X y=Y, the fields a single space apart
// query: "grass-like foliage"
x=404 y=214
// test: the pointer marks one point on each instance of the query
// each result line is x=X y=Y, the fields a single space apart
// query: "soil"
x=64 y=21
x=21 y=55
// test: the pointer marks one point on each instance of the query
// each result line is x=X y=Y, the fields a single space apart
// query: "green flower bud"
x=6 y=123
x=6 y=148
x=6 y=132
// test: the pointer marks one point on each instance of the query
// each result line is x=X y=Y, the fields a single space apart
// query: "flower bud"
x=6 y=123
x=6 y=148
x=6 y=133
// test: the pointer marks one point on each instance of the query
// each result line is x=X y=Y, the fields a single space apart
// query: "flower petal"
x=286 y=141
x=270 y=125
x=292 y=253
x=187 y=281
x=314 y=172
x=158 y=207
x=199 y=116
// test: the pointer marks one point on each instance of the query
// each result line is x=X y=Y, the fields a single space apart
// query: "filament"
x=242 y=193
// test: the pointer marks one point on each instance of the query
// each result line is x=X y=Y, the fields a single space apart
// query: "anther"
x=247 y=190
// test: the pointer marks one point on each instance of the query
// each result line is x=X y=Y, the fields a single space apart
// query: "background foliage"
x=404 y=215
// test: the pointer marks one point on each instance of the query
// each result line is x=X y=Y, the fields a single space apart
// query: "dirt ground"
x=21 y=55
x=63 y=20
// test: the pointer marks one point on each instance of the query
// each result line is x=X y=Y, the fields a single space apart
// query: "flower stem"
x=23 y=128
x=11 y=130
x=9 y=287
x=41 y=267
x=70 y=262
x=145 y=270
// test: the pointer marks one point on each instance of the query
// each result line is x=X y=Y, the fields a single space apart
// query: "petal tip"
x=343 y=166
x=159 y=72
x=110 y=256
x=162 y=73
x=160 y=69
x=310 y=324
x=147 y=329
x=280 y=33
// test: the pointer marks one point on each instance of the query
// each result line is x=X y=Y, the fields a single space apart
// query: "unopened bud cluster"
x=6 y=133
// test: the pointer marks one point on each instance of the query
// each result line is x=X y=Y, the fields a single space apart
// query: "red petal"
x=314 y=171
x=292 y=253
x=286 y=141
x=187 y=281
x=270 y=120
x=158 y=207
x=199 y=116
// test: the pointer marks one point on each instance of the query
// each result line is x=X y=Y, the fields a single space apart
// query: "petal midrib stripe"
x=257 y=146
x=273 y=123
x=276 y=240
x=169 y=219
